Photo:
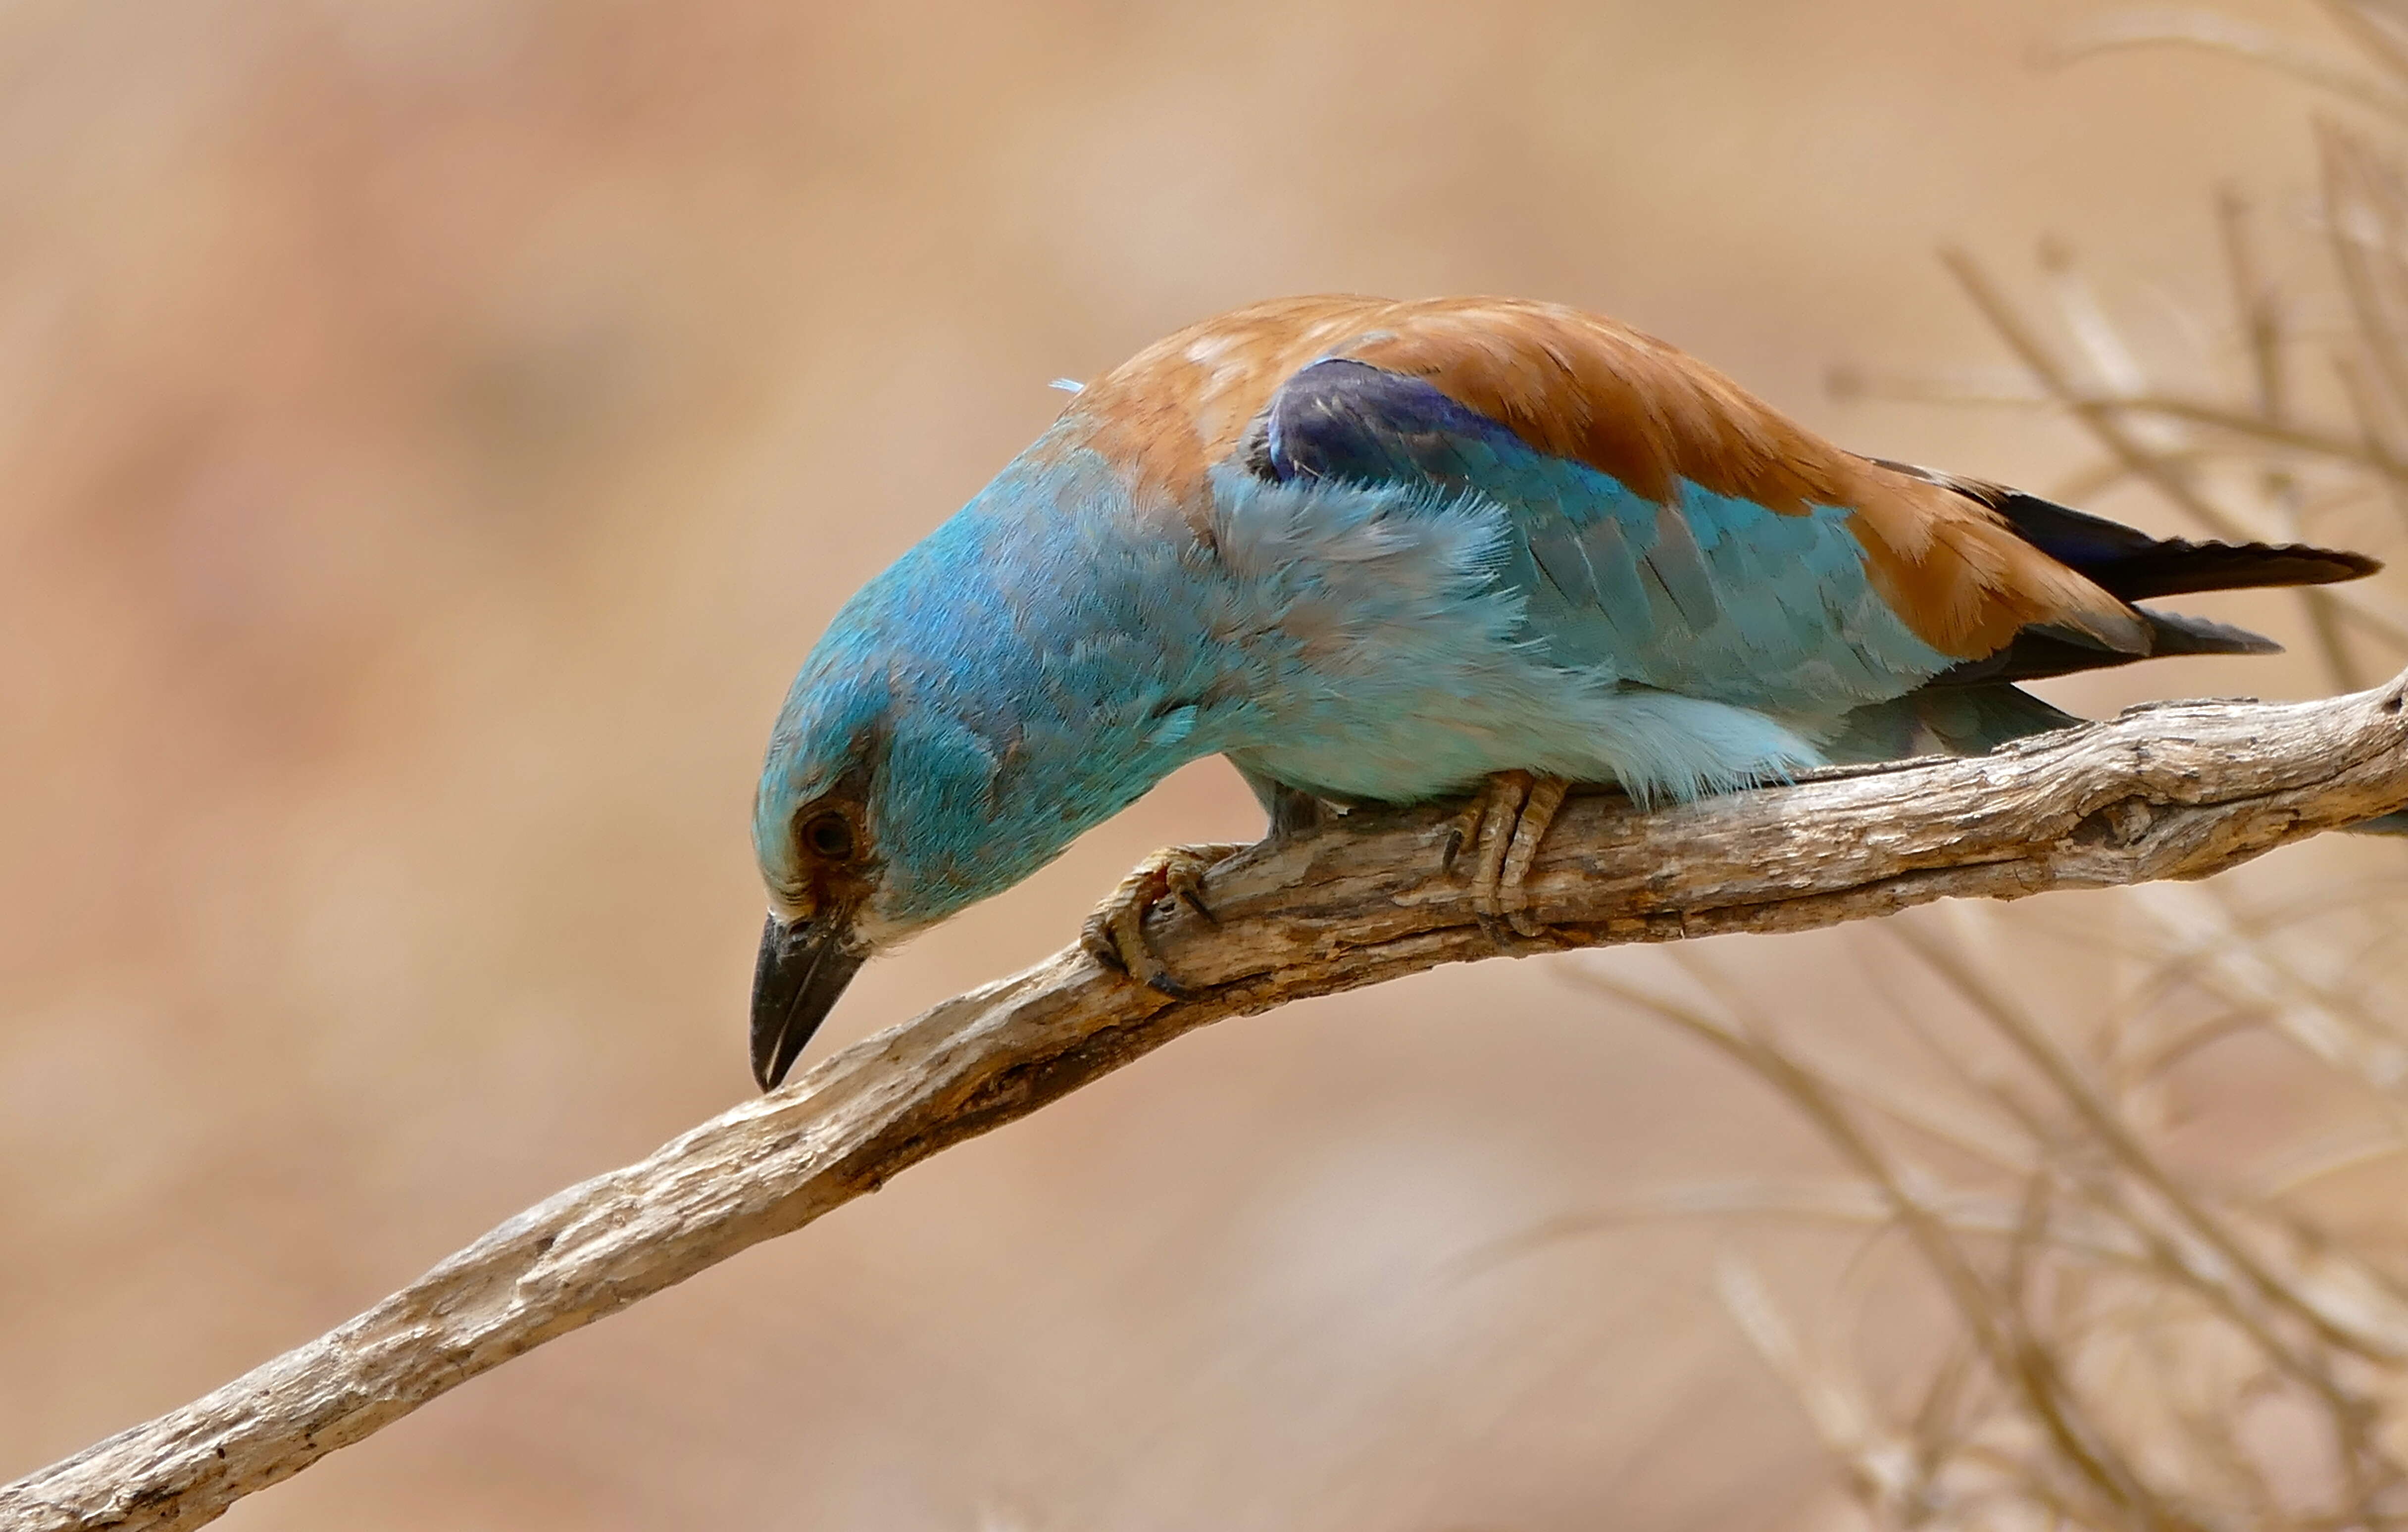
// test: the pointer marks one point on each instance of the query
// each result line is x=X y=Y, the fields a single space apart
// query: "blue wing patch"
x=1709 y=597
x=1356 y=423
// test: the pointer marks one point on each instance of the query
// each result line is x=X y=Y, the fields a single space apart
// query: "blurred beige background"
x=433 y=431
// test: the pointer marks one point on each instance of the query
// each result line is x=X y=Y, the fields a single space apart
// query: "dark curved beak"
x=804 y=966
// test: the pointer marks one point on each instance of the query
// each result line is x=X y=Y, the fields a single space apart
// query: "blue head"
x=967 y=714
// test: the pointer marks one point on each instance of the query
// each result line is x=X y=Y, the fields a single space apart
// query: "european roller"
x=1378 y=552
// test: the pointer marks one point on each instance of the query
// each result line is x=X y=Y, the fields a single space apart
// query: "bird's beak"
x=804 y=966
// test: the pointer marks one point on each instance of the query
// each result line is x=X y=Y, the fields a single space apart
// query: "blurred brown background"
x=433 y=431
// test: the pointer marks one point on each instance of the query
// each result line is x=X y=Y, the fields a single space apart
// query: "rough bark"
x=2174 y=790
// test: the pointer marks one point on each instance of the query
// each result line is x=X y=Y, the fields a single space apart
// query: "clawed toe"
x=1503 y=827
x=1115 y=935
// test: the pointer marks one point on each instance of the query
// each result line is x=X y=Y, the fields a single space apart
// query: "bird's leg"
x=1114 y=936
x=1503 y=827
x=1292 y=810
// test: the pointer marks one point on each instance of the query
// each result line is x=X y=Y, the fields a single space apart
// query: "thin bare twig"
x=2105 y=1128
x=2216 y=33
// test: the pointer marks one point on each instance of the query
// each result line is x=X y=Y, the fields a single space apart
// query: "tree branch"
x=2173 y=791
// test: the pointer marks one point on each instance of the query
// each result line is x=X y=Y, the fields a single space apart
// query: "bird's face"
x=823 y=872
x=874 y=820
x=816 y=837
x=942 y=742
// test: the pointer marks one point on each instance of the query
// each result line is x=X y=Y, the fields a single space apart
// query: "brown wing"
x=1583 y=387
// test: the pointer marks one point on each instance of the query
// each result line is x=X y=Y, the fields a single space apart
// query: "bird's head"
x=1000 y=689
x=893 y=796
x=868 y=825
x=817 y=835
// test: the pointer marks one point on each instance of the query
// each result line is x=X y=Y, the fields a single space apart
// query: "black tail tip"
x=2338 y=564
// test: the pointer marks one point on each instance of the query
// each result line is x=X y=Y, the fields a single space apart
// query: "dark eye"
x=828 y=835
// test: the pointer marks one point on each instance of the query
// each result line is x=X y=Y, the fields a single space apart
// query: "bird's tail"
x=1976 y=706
x=2134 y=567
x=2131 y=563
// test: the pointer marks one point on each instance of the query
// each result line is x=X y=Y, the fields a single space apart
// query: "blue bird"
x=1379 y=551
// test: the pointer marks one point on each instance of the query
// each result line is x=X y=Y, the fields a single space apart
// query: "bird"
x=1379 y=551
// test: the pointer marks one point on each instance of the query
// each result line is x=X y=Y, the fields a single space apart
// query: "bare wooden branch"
x=2174 y=791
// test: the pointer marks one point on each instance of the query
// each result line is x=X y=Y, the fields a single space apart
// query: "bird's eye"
x=828 y=835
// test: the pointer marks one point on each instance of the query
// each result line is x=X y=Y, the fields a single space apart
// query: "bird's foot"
x=1114 y=936
x=1502 y=829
